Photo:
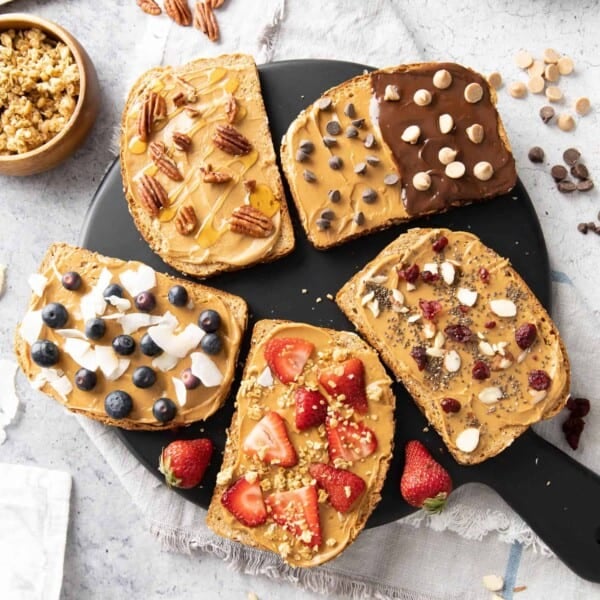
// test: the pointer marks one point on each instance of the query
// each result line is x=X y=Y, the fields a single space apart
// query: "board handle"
x=558 y=498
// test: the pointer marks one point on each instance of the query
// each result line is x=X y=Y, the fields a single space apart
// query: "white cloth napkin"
x=34 y=515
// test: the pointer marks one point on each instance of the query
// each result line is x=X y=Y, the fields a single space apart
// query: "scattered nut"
x=566 y=122
x=565 y=65
x=476 y=133
x=503 y=307
x=422 y=97
x=490 y=395
x=468 y=439
x=495 y=80
x=442 y=79
x=421 y=181
x=483 y=170
x=411 y=134
x=582 y=105
x=391 y=93
x=446 y=155
x=536 y=84
x=452 y=361
x=446 y=123
x=466 y=296
x=517 y=89
x=551 y=73
x=473 y=93
x=455 y=170
x=523 y=59
x=553 y=93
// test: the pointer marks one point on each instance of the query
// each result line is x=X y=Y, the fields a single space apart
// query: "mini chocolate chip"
x=373 y=160
x=333 y=128
x=323 y=224
x=359 y=218
x=324 y=103
x=329 y=141
x=558 y=172
x=580 y=171
x=349 y=110
x=328 y=214
x=536 y=154
x=571 y=156
x=351 y=131
x=546 y=114
x=360 y=168
x=391 y=179
x=301 y=156
x=358 y=123
x=309 y=176
x=585 y=185
x=369 y=196
x=334 y=196
x=335 y=163
x=307 y=146
x=566 y=186
x=369 y=140
x=582 y=228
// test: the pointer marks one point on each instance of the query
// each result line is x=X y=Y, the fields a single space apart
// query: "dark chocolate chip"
x=391 y=179
x=307 y=146
x=334 y=196
x=536 y=154
x=324 y=103
x=369 y=196
x=558 y=172
x=358 y=123
x=351 y=131
x=592 y=227
x=329 y=141
x=369 y=140
x=566 y=186
x=571 y=156
x=301 y=156
x=373 y=160
x=309 y=176
x=328 y=214
x=546 y=114
x=323 y=224
x=582 y=228
x=580 y=171
x=335 y=163
x=333 y=128
x=359 y=218
x=360 y=168
x=585 y=185
x=349 y=110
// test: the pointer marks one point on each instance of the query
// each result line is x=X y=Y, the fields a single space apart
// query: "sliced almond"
x=468 y=439
x=452 y=361
x=490 y=395
x=503 y=307
x=466 y=296
x=411 y=134
x=493 y=583
x=435 y=352
x=373 y=306
x=367 y=298
x=439 y=340
x=410 y=287
x=397 y=296
x=486 y=348
x=413 y=318
x=431 y=267
x=537 y=395
x=448 y=272
x=446 y=123
x=377 y=279
x=429 y=330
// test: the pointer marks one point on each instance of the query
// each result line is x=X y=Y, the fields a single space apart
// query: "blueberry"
x=144 y=377
x=178 y=295
x=124 y=345
x=71 y=281
x=145 y=301
x=164 y=410
x=211 y=343
x=44 y=353
x=209 y=320
x=190 y=381
x=149 y=347
x=118 y=404
x=114 y=289
x=85 y=379
x=54 y=315
x=95 y=328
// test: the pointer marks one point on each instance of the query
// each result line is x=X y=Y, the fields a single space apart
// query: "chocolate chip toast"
x=465 y=335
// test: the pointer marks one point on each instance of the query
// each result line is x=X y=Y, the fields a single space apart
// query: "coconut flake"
x=180 y=391
x=452 y=361
x=205 y=369
x=9 y=402
x=468 y=439
x=82 y=353
x=122 y=366
x=121 y=304
x=138 y=281
x=37 y=282
x=466 y=296
x=165 y=362
x=265 y=379
x=60 y=383
x=503 y=307
x=31 y=326
x=490 y=395
x=176 y=344
x=133 y=321
x=448 y=272
x=71 y=333
x=107 y=359
x=93 y=303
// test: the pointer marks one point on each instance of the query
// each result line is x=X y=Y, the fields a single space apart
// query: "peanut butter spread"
x=201 y=133
x=394 y=145
x=466 y=336
x=114 y=371
x=257 y=396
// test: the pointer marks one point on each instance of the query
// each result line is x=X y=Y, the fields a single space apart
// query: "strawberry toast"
x=309 y=446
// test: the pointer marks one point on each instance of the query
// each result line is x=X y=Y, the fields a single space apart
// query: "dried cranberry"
x=458 y=333
x=450 y=405
x=579 y=407
x=538 y=380
x=430 y=308
x=525 y=335
x=573 y=440
x=429 y=277
x=484 y=274
x=490 y=325
x=440 y=243
x=573 y=425
x=410 y=275
x=420 y=356
x=481 y=370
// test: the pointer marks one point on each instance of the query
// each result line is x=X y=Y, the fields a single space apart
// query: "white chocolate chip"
x=391 y=93
x=455 y=170
x=565 y=65
x=503 y=307
x=483 y=170
x=475 y=133
x=440 y=340
x=490 y=395
x=582 y=105
x=537 y=68
x=435 y=352
x=429 y=330
x=442 y=79
x=537 y=395
x=551 y=73
x=446 y=155
x=495 y=80
x=473 y=93
x=466 y=296
x=422 y=97
x=448 y=272
x=493 y=583
x=517 y=89
x=565 y=122
x=550 y=56
x=446 y=123
x=468 y=439
x=421 y=181
x=536 y=84
x=411 y=134
x=452 y=361
x=367 y=298
x=553 y=93
x=523 y=59
x=486 y=348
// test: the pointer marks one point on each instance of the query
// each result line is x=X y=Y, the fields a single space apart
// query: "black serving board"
x=564 y=513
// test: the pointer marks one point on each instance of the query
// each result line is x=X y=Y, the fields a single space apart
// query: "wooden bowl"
x=64 y=143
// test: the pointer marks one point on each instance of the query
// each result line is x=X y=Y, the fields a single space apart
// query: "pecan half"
x=158 y=152
x=153 y=195
x=248 y=220
x=231 y=108
x=230 y=140
x=180 y=99
x=210 y=176
x=186 y=220
x=179 y=11
x=205 y=21
x=250 y=185
x=191 y=112
x=154 y=108
x=182 y=141
x=149 y=7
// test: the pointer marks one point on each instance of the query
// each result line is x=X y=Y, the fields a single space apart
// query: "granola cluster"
x=39 y=88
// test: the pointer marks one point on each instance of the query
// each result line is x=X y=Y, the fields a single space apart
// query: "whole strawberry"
x=183 y=462
x=425 y=483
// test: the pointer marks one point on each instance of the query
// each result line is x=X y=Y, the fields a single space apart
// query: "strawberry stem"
x=435 y=505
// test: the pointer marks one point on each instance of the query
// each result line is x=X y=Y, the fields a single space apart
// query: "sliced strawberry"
x=349 y=440
x=270 y=442
x=298 y=512
x=343 y=487
x=244 y=501
x=347 y=379
x=311 y=408
x=286 y=357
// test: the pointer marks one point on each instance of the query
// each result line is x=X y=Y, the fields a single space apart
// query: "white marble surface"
x=109 y=551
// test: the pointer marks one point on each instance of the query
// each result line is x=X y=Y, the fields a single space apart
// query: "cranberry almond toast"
x=118 y=342
x=309 y=447
x=465 y=335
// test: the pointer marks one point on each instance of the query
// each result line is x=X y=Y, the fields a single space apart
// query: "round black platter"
x=508 y=224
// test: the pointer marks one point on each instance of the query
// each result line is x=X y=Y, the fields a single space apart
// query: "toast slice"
x=195 y=148
x=393 y=145
x=453 y=319
x=353 y=439
x=163 y=326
